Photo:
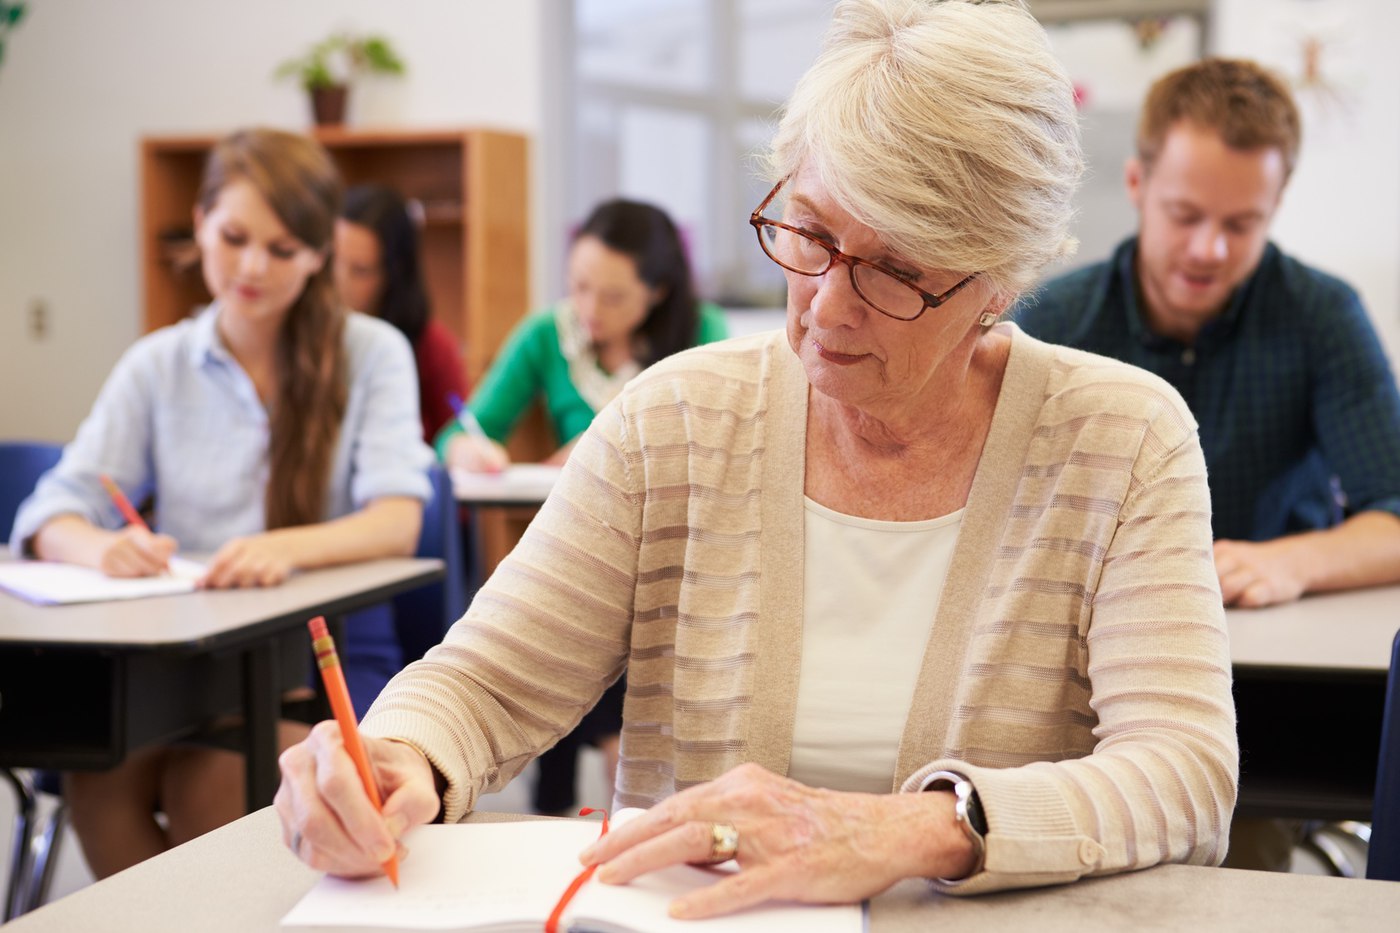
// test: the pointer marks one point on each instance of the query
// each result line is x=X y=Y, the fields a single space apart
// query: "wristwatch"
x=967 y=811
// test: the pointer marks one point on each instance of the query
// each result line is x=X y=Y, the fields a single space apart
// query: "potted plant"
x=10 y=15
x=326 y=69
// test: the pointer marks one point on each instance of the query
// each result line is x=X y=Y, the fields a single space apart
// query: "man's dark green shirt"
x=1297 y=406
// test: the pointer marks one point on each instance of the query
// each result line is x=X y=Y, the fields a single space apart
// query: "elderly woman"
x=905 y=594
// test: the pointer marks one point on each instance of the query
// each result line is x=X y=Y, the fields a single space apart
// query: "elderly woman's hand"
x=327 y=817
x=794 y=842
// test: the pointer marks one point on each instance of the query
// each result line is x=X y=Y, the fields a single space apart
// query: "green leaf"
x=381 y=56
x=337 y=58
x=15 y=14
x=316 y=74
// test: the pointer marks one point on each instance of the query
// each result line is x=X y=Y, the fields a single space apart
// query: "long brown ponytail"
x=300 y=183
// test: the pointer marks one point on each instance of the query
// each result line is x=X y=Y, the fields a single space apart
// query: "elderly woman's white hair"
x=948 y=127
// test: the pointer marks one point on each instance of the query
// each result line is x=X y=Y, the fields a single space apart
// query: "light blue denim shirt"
x=180 y=419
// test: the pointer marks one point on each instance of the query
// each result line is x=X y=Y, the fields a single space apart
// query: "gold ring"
x=724 y=842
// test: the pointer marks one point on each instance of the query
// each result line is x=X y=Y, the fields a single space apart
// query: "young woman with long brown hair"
x=273 y=430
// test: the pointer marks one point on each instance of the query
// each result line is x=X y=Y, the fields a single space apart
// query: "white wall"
x=83 y=80
x=1341 y=211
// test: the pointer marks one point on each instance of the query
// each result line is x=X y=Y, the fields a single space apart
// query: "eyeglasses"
x=887 y=291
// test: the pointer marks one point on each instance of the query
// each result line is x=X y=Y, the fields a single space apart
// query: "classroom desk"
x=242 y=879
x=83 y=686
x=1310 y=691
x=502 y=508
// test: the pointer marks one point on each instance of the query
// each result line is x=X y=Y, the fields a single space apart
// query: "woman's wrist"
x=967 y=817
x=924 y=837
x=447 y=438
x=956 y=855
x=71 y=539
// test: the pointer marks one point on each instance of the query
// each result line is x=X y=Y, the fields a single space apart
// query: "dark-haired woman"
x=274 y=430
x=630 y=303
x=378 y=271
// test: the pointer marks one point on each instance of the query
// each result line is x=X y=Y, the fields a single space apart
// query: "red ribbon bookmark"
x=552 y=924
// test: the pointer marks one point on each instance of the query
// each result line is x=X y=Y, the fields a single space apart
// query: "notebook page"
x=524 y=482
x=465 y=876
x=506 y=876
x=641 y=905
x=51 y=584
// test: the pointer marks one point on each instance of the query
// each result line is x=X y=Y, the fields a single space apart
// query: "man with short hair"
x=1298 y=410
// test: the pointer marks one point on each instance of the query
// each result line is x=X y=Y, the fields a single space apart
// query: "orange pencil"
x=339 y=695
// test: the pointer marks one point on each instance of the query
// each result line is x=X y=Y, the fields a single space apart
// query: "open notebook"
x=520 y=482
x=508 y=876
x=53 y=584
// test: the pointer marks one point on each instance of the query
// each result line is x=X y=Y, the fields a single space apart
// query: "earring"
x=988 y=318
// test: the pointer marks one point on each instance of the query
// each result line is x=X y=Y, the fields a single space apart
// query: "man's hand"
x=1255 y=574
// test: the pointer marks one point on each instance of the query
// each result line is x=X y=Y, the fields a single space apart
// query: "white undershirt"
x=871 y=591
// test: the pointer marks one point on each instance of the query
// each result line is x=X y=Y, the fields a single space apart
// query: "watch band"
x=967 y=811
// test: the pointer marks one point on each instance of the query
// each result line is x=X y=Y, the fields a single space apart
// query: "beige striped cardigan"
x=1077 y=670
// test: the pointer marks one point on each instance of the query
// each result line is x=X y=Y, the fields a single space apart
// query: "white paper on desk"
x=53 y=584
x=508 y=876
x=522 y=482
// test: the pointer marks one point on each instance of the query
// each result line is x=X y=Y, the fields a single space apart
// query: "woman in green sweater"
x=630 y=304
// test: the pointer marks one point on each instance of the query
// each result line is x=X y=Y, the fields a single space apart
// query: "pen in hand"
x=465 y=417
x=128 y=511
x=339 y=695
x=489 y=457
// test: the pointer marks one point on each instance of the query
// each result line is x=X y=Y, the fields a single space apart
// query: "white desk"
x=1310 y=691
x=241 y=879
x=1334 y=632
x=83 y=686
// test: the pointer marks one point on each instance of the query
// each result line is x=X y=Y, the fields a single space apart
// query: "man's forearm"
x=1362 y=551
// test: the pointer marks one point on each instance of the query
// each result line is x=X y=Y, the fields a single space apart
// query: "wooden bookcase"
x=473 y=185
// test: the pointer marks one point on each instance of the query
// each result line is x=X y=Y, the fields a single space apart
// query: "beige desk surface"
x=1337 y=631
x=192 y=618
x=241 y=879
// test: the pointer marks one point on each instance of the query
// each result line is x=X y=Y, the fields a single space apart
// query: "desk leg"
x=261 y=704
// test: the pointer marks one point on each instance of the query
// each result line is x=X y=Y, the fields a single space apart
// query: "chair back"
x=21 y=465
x=423 y=616
x=1383 y=857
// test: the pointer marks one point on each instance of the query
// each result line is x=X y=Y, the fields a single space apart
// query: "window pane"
x=656 y=44
x=778 y=39
x=760 y=283
x=663 y=158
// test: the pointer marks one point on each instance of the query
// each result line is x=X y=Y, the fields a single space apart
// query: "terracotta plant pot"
x=328 y=104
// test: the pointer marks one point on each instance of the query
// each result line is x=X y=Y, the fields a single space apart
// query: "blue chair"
x=34 y=841
x=21 y=465
x=423 y=616
x=1383 y=859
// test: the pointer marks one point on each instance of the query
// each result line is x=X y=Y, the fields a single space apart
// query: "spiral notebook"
x=502 y=877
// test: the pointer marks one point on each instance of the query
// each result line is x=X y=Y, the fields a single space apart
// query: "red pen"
x=124 y=506
x=339 y=695
x=122 y=503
